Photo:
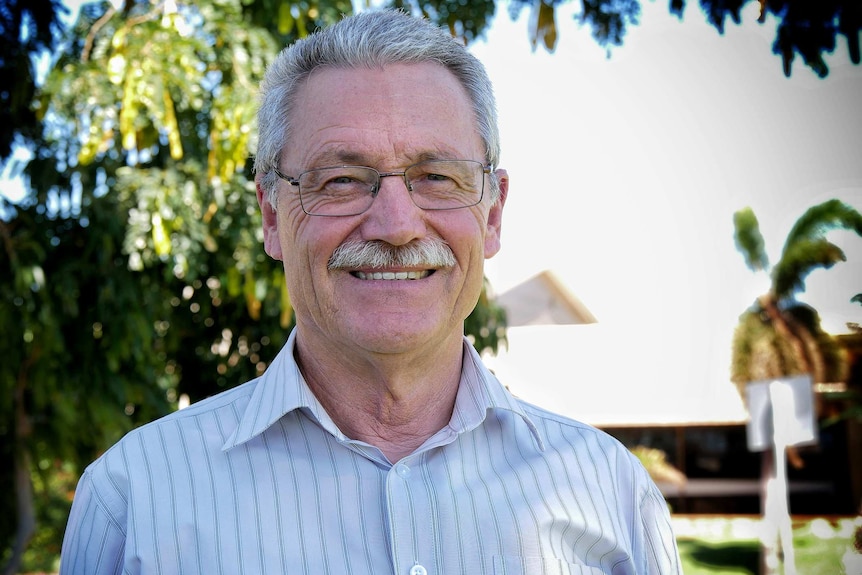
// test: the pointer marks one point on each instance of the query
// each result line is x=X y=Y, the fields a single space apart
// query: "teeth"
x=392 y=275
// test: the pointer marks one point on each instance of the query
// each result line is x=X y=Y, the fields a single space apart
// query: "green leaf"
x=285 y=19
x=800 y=259
x=161 y=239
x=749 y=240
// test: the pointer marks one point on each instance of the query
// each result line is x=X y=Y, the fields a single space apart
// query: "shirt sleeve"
x=94 y=541
x=661 y=551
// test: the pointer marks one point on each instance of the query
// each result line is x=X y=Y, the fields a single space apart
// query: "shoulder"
x=229 y=398
x=203 y=425
x=223 y=407
x=165 y=450
x=554 y=422
x=591 y=447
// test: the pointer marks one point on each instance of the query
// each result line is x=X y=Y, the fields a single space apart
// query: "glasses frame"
x=486 y=170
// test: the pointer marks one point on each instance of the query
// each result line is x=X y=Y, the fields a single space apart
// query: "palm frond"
x=800 y=259
x=779 y=336
x=817 y=220
x=749 y=240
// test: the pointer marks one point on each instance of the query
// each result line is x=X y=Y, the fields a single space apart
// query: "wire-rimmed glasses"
x=350 y=190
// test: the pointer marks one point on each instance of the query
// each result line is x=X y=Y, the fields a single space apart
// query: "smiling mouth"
x=390 y=276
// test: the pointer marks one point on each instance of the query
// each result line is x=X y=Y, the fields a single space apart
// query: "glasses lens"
x=340 y=191
x=446 y=184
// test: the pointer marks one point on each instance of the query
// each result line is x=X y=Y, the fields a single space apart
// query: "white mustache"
x=376 y=254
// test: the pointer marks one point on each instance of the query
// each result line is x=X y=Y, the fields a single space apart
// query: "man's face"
x=386 y=119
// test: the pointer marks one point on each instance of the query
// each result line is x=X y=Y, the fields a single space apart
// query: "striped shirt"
x=259 y=480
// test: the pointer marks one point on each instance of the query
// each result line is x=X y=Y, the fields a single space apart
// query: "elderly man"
x=376 y=442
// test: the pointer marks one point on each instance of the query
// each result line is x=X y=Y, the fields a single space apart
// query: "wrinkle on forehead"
x=339 y=155
x=373 y=116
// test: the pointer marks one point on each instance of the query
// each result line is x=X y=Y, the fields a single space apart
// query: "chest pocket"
x=540 y=566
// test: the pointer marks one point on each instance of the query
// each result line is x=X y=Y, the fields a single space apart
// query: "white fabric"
x=258 y=480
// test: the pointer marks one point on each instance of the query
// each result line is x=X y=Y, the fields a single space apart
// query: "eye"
x=338 y=180
x=341 y=180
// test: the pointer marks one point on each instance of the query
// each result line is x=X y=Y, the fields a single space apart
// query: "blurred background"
x=683 y=219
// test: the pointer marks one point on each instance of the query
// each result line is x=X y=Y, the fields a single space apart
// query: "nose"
x=393 y=217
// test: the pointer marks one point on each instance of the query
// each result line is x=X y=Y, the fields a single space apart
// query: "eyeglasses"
x=350 y=190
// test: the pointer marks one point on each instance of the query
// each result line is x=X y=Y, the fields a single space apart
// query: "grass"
x=724 y=545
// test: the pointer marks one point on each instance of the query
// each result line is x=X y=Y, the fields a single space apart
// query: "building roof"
x=543 y=300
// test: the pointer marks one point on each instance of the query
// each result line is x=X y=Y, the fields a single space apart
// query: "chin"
x=379 y=339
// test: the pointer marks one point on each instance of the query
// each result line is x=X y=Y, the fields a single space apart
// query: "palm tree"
x=778 y=335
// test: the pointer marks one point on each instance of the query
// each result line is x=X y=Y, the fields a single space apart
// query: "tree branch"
x=25 y=506
x=91 y=35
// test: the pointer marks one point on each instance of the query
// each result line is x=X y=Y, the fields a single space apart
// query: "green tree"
x=27 y=28
x=133 y=272
x=778 y=335
x=806 y=29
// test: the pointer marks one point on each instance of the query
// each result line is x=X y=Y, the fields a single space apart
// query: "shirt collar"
x=479 y=392
x=279 y=391
x=282 y=389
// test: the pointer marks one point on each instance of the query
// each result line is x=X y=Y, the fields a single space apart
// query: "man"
x=376 y=442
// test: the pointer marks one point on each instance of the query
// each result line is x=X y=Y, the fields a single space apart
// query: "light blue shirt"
x=259 y=480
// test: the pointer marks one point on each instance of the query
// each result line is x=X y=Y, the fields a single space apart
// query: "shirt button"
x=403 y=470
x=418 y=570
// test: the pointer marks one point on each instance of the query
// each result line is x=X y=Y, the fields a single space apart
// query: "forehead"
x=392 y=113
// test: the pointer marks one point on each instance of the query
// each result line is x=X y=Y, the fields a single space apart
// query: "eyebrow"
x=338 y=157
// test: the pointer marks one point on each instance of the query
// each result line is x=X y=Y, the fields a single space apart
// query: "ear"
x=495 y=216
x=271 y=243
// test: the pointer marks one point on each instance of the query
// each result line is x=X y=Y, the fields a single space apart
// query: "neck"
x=392 y=402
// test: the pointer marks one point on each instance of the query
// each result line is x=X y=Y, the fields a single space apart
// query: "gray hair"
x=369 y=39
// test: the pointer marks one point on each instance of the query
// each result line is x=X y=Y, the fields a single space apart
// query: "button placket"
x=400 y=507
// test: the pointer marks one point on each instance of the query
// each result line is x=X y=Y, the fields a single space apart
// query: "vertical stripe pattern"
x=258 y=480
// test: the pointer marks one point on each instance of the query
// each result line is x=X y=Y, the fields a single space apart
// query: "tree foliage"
x=133 y=271
x=807 y=247
x=27 y=27
x=761 y=352
x=749 y=240
x=807 y=29
x=779 y=335
x=810 y=30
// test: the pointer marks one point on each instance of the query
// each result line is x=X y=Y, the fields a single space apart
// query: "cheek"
x=469 y=242
x=481 y=234
x=295 y=247
x=308 y=242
